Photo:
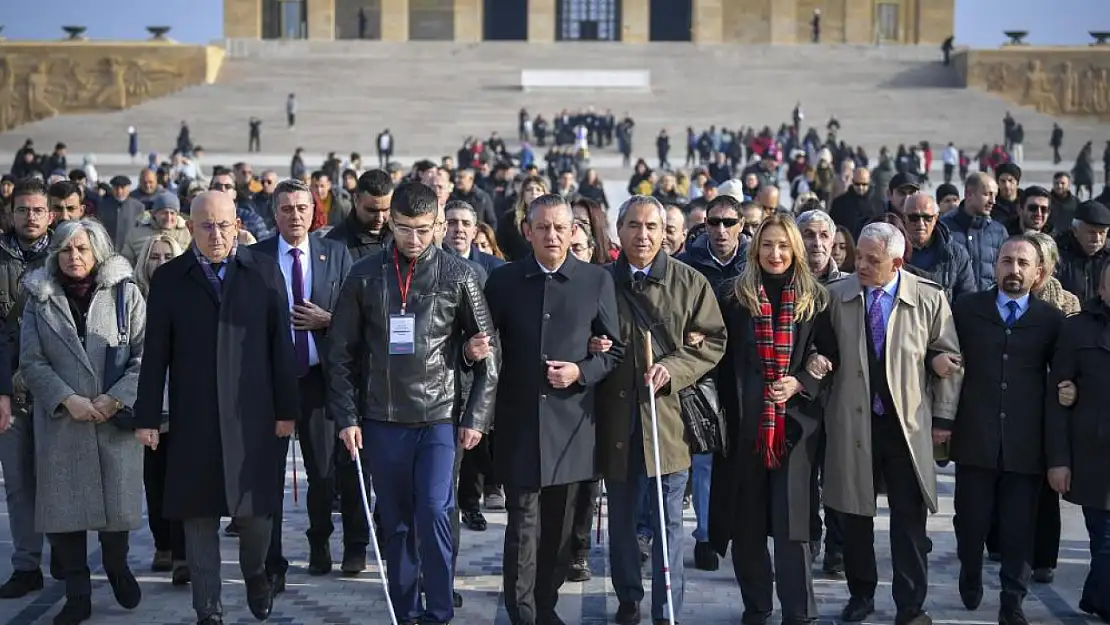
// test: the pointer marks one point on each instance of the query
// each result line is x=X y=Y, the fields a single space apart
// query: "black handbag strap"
x=121 y=313
x=660 y=347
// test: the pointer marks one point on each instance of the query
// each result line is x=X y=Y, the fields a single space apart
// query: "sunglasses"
x=727 y=222
x=1033 y=208
x=920 y=217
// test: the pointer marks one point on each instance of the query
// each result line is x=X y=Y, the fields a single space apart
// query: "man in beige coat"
x=885 y=413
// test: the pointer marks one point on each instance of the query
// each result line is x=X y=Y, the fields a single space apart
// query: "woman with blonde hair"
x=762 y=486
x=486 y=241
x=1049 y=289
x=510 y=233
x=169 y=535
x=81 y=344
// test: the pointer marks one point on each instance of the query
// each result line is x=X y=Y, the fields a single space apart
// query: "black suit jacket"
x=1002 y=415
x=229 y=363
x=547 y=436
x=331 y=262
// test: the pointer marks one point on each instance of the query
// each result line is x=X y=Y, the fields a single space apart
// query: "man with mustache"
x=1000 y=425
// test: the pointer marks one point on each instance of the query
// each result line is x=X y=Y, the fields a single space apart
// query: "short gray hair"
x=816 y=215
x=637 y=200
x=460 y=205
x=99 y=240
x=549 y=200
x=891 y=238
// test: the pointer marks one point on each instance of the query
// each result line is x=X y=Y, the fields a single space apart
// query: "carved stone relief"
x=35 y=86
x=1066 y=87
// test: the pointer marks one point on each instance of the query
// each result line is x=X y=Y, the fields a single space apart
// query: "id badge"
x=402 y=334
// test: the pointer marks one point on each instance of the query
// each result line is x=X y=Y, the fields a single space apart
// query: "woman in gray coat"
x=89 y=468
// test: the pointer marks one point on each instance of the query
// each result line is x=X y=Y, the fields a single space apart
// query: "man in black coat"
x=313 y=269
x=218 y=331
x=365 y=230
x=997 y=440
x=545 y=308
x=407 y=312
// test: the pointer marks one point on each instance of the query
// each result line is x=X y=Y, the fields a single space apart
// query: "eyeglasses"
x=34 y=211
x=220 y=187
x=727 y=222
x=920 y=217
x=210 y=227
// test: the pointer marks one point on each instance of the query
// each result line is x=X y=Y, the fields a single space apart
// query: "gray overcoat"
x=89 y=476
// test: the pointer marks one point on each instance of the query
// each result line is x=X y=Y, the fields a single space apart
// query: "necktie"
x=300 y=337
x=1012 y=317
x=878 y=339
x=638 y=278
x=216 y=269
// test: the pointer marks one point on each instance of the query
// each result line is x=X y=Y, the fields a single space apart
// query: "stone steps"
x=432 y=95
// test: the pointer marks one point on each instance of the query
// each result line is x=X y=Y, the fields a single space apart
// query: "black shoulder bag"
x=702 y=418
x=116 y=358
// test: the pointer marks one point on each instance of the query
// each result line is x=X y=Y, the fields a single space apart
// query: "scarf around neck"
x=774 y=339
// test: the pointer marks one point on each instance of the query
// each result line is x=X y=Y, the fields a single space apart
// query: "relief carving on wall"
x=34 y=88
x=1063 y=88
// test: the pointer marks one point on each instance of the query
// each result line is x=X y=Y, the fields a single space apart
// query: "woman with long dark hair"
x=590 y=213
x=762 y=486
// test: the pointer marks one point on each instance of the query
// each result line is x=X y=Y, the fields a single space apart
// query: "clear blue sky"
x=979 y=23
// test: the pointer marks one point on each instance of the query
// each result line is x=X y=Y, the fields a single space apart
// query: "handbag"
x=703 y=419
x=116 y=358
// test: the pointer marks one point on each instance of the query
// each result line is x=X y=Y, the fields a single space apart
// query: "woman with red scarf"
x=761 y=487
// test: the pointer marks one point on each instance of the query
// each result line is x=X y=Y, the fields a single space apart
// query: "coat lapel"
x=60 y=319
x=321 y=277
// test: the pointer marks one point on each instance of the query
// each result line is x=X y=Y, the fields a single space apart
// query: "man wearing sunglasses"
x=934 y=251
x=719 y=255
x=1036 y=207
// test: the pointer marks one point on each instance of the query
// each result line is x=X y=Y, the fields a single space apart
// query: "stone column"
x=708 y=17
x=243 y=19
x=321 y=19
x=859 y=22
x=936 y=21
x=395 y=20
x=635 y=21
x=541 y=21
x=784 y=22
x=468 y=21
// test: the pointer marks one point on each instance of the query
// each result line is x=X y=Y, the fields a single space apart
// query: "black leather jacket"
x=419 y=388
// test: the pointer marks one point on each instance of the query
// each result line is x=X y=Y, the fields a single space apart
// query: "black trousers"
x=763 y=509
x=476 y=474
x=537 y=549
x=979 y=492
x=893 y=464
x=585 y=507
x=1046 y=533
x=169 y=535
x=73 y=558
x=323 y=461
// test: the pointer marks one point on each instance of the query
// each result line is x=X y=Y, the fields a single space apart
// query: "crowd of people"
x=470 y=333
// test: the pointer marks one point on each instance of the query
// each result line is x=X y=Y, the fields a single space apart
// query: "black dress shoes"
x=857 y=610
x=354 y=562
x=912 y=617
x=628 y=613
x=215 y=619
x=1012 y=617
x=971 y=590
x=126 y=589
x=260 y=598
x=319 y=559
x=76 y=610
x=277 y=583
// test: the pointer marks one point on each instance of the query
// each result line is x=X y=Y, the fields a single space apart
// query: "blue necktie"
x=1012 y=317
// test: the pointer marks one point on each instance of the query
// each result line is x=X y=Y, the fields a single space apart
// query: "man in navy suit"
x=313 y=269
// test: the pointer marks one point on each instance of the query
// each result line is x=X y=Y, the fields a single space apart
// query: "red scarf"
x=774 y=340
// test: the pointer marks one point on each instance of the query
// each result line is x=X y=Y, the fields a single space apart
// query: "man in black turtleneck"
x=365 y=230
x=1008 y=202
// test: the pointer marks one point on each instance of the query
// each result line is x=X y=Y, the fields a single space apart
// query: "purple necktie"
x=878 y=339
x=300 y=337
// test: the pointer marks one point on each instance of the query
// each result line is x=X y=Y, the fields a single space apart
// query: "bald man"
x=768 y=199
x=219 y=365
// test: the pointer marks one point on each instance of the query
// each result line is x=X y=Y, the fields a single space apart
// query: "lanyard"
x=407 y=282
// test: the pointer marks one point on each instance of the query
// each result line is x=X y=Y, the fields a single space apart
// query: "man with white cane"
x=671 y=301
x=395 y=347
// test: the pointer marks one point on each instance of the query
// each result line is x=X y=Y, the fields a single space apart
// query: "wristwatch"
x=119 y=404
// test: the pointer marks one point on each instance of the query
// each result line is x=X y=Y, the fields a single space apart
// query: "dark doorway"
x=588 y=20
x=671 y=20
x=284 y=19
x=505 y=20
x=358 y=19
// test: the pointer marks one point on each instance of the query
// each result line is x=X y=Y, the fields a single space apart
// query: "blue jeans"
x=702 y=474
x=17 y=454
x=413 y=472
x=626 y=501
x=1096 y=589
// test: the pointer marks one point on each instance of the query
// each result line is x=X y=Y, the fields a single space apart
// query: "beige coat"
x=146 y=228
x=920 y=326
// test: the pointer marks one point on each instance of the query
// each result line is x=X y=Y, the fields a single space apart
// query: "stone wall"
x=635 y=20
x=40 y=80
x=243 y=19
x=1073 y=81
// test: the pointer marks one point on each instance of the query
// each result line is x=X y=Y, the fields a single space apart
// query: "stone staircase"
x=432 y=95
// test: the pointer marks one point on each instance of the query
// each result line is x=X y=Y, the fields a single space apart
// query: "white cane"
x=662 y=535
x=373 y=534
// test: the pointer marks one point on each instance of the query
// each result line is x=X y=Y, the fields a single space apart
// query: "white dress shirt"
x=285 y=260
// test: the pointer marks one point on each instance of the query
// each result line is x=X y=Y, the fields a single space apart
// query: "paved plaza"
x=711 y=598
